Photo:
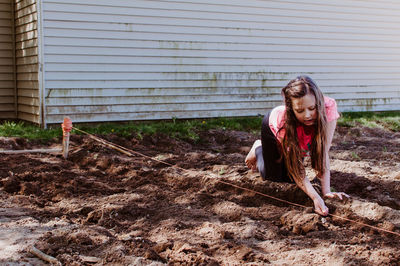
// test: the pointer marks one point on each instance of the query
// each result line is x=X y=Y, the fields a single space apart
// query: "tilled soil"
x=103 y=207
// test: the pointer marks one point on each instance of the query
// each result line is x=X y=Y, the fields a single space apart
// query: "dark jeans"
x=269 y=162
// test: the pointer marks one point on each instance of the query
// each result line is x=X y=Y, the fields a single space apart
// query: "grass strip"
x=388 y=120
x=188 y=128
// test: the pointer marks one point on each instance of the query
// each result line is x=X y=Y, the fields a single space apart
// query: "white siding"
x=7 y=73
x=147 y=59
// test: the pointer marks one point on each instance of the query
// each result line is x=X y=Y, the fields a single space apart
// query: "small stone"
x=124 y=237
x=89 y=259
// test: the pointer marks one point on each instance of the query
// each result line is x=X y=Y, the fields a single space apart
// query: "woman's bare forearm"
x=326 y=176
x=306 y=186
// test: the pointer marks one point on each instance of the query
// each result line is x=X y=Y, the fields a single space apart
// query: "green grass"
x=181 y=129
x=27 y=130
x=188 y=129
x=388 y=120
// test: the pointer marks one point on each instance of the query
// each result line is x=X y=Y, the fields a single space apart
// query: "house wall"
x=27 y=63
x=157 y=59
x=7 y=73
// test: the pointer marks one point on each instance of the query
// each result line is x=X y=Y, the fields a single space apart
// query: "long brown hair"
x=298 y=88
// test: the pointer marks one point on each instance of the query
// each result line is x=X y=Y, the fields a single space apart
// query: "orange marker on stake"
x=66 y=128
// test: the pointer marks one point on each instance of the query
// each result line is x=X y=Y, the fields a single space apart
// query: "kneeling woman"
x=303 y=126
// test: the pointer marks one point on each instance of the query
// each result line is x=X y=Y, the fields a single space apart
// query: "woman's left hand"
x=340 y=195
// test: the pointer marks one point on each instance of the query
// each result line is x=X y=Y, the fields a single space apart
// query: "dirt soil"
x=103 y=207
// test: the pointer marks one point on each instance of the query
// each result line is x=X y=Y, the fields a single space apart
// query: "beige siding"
x=154 y=59
x=7 y=73
x=27 y=60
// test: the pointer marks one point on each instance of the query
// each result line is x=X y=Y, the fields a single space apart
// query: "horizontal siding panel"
x=33 y=68
x=364 y=107
x=8 y=115
x=95 y=73
x=365 y=104
x=66 y=42
x=7 y=100
x=7 y=107
x=210 y=83
x=28 y=109
x=28 y=52
x=29 y=60
x=24 y=12
x=25 y=28
x=287 y=70
x=215 y=61
x=6 y=15
x=26 y=36
x=7 y=61
x=6 y=68
x=6 y=53
x=29 y=116
x=92 y=109
x=4 y=92
x=6 y=84
x=5 y=6
x=28 y=93
x=24 y=3
x=163 y=25
x=5 y=31
x=140 y=100
x=28 y=101
x=151 y=115
x=384 y=98
x=304 y=38
x=28 y=76
x=133 y=24
x=154 y=84
x=174 y=53
x=7 y=76
x=5 y=45
x=205 y=11
x=350 y=91
x=343 y=6
x=26 y=20
x=62 y=93
x=25 y=44
x=6 y=39
x=28 y=85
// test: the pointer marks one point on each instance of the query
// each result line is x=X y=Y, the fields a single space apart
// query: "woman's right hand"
x=320 y=207
x=251 y=159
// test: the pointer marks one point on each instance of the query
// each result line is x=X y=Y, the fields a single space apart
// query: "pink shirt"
x=305 y=134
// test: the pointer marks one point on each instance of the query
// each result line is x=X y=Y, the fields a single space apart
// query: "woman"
x=303 y=126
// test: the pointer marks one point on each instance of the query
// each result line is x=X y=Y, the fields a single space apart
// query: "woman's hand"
x=251 y=158
x=340 y=195
x=320 y=207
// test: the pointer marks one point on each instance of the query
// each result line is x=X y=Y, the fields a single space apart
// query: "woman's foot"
x=251 y=159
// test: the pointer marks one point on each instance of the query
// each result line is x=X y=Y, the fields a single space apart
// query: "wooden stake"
x=66 y=127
